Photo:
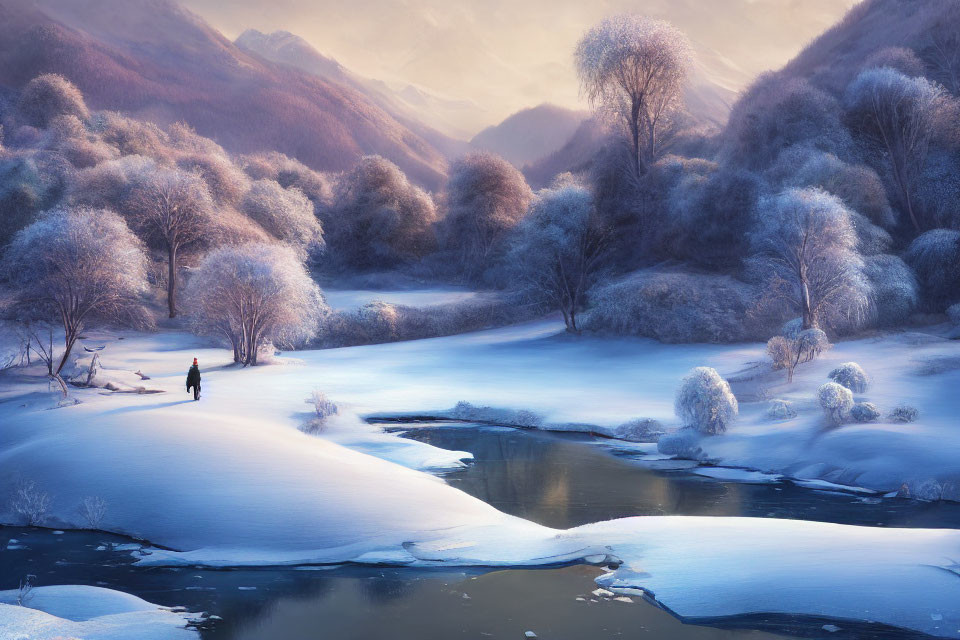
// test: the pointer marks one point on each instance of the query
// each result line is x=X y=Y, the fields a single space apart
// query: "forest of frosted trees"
x=820 y=210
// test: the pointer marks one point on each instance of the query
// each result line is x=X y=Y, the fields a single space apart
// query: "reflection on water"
x=558 y=480
x=554 y=479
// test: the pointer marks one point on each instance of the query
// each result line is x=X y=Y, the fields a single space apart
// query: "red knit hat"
x=194 y=361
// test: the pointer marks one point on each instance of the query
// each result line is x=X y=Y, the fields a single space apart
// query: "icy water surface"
x=559 y=480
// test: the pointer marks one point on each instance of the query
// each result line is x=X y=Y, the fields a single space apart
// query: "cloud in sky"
x=505 y=55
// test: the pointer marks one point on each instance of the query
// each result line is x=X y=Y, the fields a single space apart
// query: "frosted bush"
x=705 y=402
x=851 y=375
x=30 y=503
x=935 y=257
x=684 y=443
x=781 y=410
x=864 y=412
x=673 y=307
x=791 y=328
x=322 y=405
x=953 y=312
x=836 y=401
x=811 y=343
x=639 y=430
x=894 y=292
x=92 y=510
x=903 y=414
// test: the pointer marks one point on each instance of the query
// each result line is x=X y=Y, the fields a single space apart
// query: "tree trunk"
x=172 y=279
x=808 y=319
x=635 y=135
x=789 y=375
x=69 y=338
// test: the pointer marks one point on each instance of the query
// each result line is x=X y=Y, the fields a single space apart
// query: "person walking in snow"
x=193 y=379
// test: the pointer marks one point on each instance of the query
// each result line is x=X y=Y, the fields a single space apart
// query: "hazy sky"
x=508 y=54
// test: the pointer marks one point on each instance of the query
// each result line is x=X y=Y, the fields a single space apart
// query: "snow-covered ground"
x=90 y=613
x=348 y=299
x=231 y=480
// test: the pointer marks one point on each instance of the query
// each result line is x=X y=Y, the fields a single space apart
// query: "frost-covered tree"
x=74 y=265
x=806 y=242
x=635 y=68
x=836 y=401
x=852 y=376
x=485 y=197
x=173 y=210
x=48 y=96
x=705 y=401
x=898 y=116
x=559 y=250
x=286 y=214
x=935 y=258
x=254 y=295
x=378 y=218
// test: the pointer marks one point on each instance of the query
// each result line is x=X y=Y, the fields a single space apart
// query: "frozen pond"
x=560 y=480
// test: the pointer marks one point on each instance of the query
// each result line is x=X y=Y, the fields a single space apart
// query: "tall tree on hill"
x=174 y=210
x=635 y=68
x=900 y=117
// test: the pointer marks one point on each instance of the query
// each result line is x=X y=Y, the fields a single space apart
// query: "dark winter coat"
x=193 y=377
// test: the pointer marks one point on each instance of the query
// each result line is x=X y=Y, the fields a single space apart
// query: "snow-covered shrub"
x=322 y=406
x=23 y=591
x=780 y=350
x=903 y=413
x=30 y=503
x=254 y=295
x=684 y=443
x=380 y=322
x=935 y=258
x=673 y=307
x=705 y=402
x=781 y=410
x=48 y=96
x=639 y=430
x=893 y=286
x=791 y=328
x=836 y=401
x=852 y=376
x=796 y=347
x=92 y=510
x=864 y=412
x=953 y=312
x=811 y=343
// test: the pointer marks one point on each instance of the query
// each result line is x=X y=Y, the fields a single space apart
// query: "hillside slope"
x=154 y=60
x=452 y=119
x=530 y=134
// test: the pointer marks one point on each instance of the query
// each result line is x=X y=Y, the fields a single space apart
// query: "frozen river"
x=559 y=480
